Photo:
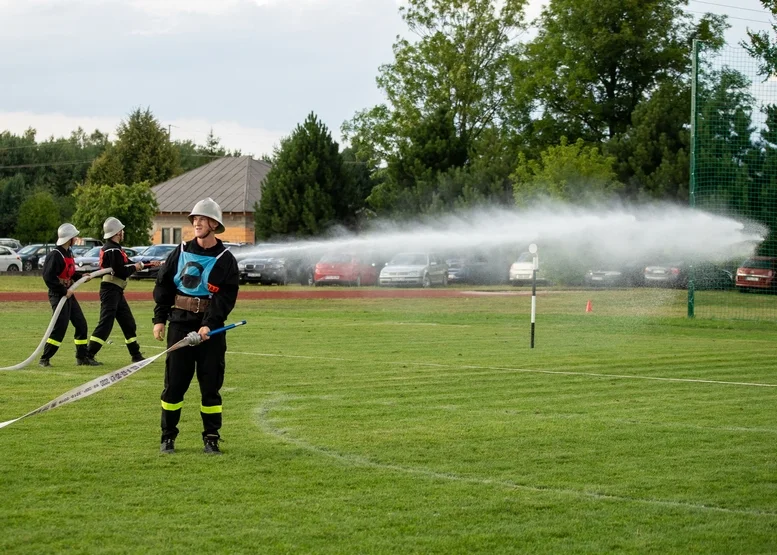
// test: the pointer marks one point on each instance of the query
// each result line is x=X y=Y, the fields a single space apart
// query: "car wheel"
x=13 y=268
x=427 y=282
x=743 y=289
x=28 y=266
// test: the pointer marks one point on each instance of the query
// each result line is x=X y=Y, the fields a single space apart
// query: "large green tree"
x=307 y=189
x=459 y=63
x=569 y=172
x=594 y=61
x=13 y=192
x=142 y=152
x=762 y=45
x=432 y=147
x=38 y=219
x=135 y=205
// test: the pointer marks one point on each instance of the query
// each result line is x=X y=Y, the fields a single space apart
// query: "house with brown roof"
x=233 y=182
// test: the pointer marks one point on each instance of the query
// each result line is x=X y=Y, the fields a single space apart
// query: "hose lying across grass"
x=54 y=319
x=105 y=381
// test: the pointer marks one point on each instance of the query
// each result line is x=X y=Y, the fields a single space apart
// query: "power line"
x=19 y=166
x=734 y=17
x=761 y=11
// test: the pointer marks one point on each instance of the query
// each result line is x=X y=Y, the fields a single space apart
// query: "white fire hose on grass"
x=62 y=302
x=107 y=380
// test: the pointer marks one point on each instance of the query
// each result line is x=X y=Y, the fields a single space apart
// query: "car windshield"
x=758 y=264
x=409 y=259
x=336 y=258
x=29 y=249
x=158 y=250
x=94 y=252
x=526 y=257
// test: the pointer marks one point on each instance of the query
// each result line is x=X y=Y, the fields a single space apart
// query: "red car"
x=758 y=273
x=345 y=268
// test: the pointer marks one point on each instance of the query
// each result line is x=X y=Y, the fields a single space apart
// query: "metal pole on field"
x=692 y=184
x=533 y=250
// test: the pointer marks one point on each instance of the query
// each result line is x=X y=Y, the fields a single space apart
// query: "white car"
x=522 y=269
x=9 y=260
x=415 y=268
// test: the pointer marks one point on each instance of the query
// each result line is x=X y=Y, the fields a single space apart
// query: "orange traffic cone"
x=588 y=307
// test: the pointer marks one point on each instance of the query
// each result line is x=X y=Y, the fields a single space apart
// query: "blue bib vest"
x=194 y=272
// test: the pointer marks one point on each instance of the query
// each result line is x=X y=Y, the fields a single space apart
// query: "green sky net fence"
x=734 y=173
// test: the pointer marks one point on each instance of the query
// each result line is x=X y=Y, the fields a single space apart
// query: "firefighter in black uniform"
x=59 y=271
x=196 y=289
x=113 y=305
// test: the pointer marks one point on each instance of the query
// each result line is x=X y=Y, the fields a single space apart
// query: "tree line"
x=85 y=178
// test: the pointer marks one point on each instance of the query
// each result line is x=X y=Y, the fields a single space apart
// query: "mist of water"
x=615 y=233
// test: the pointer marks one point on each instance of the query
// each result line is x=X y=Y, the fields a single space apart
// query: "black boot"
x=48 y=351
x=134 y=351
x=211 y=445
x=87 y=361
x=167 y=446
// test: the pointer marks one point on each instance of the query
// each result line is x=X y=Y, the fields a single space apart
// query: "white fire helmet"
x=65 y=233
x=208 y=208
x=111 y=227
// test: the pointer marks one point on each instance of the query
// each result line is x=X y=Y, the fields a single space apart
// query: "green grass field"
x=410 y=426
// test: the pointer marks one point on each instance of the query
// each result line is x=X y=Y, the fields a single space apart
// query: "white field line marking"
x=356 y=460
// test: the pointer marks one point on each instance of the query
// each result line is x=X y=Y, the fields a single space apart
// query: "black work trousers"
x=71 y=313
x=114 y=308
x=207 y=361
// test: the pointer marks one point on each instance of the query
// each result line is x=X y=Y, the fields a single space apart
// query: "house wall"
x=239 y=227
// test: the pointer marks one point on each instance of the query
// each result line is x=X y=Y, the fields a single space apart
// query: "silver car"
x=415 y=268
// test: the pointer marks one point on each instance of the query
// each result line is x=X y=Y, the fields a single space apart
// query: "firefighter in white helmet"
x=59 y=272
x=196 y=289
x=113 y=304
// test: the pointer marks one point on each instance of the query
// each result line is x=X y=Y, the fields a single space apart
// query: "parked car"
x=521 y=270
x=345 y=268
x=616 y=275
x=265 y=270
x=13 y=244
x=154 y=253
x=676 y=274
x=415 y=268
x=80 y=250
x=476 y=269
x=9 y=260
x=90 y=261
x=31 y=253
x=139 y=249
x=758 y=273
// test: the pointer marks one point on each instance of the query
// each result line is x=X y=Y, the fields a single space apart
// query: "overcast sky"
x=250 y=69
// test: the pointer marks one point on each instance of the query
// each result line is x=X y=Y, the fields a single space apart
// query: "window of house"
x=171 y=235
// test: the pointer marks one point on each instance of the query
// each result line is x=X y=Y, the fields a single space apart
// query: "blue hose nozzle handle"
x=217 y=331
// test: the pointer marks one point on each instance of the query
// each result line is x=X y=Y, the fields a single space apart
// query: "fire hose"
x=105 y=381
x=57 y=311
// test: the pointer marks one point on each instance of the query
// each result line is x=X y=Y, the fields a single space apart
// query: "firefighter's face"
x=203 y=226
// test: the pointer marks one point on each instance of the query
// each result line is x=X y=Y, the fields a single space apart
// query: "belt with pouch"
x=110 y=278
x=191 y=304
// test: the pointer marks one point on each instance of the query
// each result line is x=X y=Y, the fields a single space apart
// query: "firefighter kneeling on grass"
x=196 y=289
x=113 y=304
x=59 y=271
